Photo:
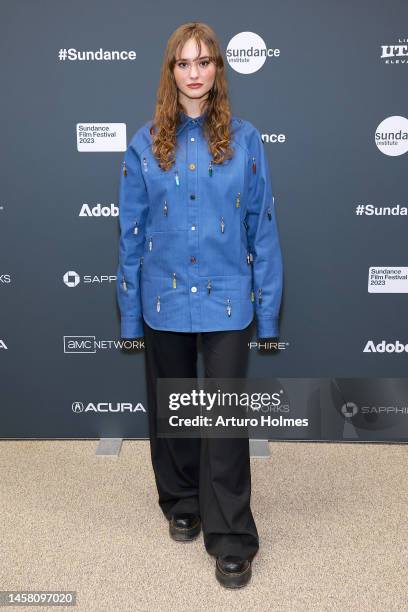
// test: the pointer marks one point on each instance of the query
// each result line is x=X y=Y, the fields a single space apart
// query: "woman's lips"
x=195 y=85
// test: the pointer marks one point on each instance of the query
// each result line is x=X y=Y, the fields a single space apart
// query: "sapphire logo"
x=349 y=409
x=71 y=279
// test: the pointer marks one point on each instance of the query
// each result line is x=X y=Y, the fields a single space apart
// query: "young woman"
x=199 y=255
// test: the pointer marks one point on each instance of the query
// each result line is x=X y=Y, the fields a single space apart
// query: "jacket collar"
x=184 y=120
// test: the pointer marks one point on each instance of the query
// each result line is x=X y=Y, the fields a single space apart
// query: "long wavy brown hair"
x=216 y=125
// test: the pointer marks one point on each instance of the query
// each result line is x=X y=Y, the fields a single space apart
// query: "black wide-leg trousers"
x=210 y=477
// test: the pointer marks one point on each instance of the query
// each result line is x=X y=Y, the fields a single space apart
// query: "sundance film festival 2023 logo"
x=101 y=137
x=388 y=280
x=247 y=52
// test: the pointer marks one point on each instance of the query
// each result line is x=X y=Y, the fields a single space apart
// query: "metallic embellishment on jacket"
x=165 y=208
x=158 y=303
x=259 y=296
x=145 y=166
x=141 y=261
x=136 y=228
x=176 y=178
x=252 y=295
x=124 y=169
x=249 y=258
x=209 y=286
x=150 y=243
x=238 y=200
x=124 y=285
x=174 y=281
x=253 y=165
x=228 y=307
x=210 y=170
x=269 y=213
x=222 y=225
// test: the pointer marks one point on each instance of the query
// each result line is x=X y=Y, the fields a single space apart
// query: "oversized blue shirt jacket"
x=199 y=248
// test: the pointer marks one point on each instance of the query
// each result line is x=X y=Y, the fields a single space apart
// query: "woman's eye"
x=204 y=63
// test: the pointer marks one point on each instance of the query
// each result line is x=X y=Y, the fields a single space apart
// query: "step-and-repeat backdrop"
x=325 y=82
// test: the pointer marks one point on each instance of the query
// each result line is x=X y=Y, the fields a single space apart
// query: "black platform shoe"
x=233 y=572
x=184 y=527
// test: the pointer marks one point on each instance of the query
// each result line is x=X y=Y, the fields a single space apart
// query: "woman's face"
x=190 y=70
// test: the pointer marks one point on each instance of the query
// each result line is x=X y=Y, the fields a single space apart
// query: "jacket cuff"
x=267 y=327
x=131 y=327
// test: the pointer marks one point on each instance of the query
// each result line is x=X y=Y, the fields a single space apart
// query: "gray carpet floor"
x=331 y=519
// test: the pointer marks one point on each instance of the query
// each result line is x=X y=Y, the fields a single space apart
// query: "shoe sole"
x=233 y=580
x=184 y=534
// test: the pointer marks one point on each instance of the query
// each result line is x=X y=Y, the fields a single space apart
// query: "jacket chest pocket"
x=155 y=177
x=225 y=182
x=165 y=253
x=213 y=169
x=166 y=213
x=157 y=180
x=162 y=303
x=166 y=210
x=221 y=241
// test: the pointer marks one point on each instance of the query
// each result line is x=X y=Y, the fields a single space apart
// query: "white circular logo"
x=349 y=409
x=247 y=52
x=71 y=279
x=391 y=136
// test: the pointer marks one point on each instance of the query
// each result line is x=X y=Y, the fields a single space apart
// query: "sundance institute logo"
x=247 y=52
x=391 y=136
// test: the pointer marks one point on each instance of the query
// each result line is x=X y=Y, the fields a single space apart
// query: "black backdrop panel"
x=335 y=72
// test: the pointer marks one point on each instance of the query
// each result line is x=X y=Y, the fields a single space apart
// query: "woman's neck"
x=193 y=108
